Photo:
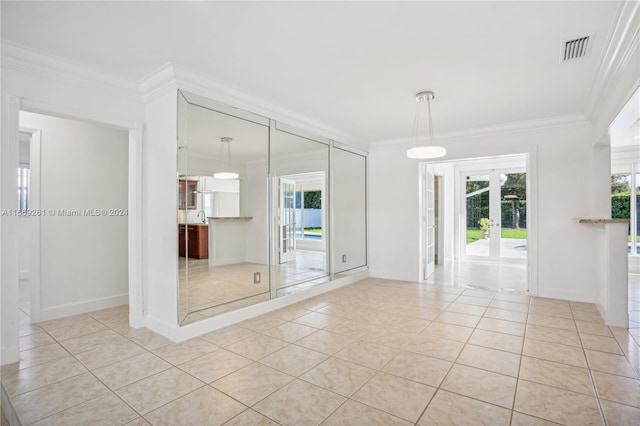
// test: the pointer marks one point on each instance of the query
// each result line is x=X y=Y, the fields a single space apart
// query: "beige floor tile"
x=556 y=405
x=140 y=421
x=326 y=342
x=435 y=347
x=250 y=418
x=519 y=419
x=149 y=340
x=553 y=335
x=38 y=355
x=81 y=328
x=299 y=403
x=448 y=331
x=388 y=336
x=294 y=360
x=601 y=343
x=618 y=414
x=420 y=368
x=447 y=408
x=516 y=298
x=500 y=341
x=43 y=402
x=476 y=301
x=484 y=385
x=458 y=319
x=610 y=363
x=108 y=354
x=490 y=359
x=104 y=410
x=179 y=353
x=509 y=305
x=593 y=328
x=35 y=339
x=563 y=311
x=152 y=392
x=551 y=322
x=92 y=341
x=290 y=331
x=257 y=347
x=564 y=354
x=617 y=388
x=505 y=314
x=228 y=335
x=351 y=328
x=215 y=365
x=370 y=355
x=65 y=322
x=252 y=383
x=353 y=413
x=131 y=370
x=339 y=376
x=261 y=323
x=588 y=316
x=31 y=378
x=557 y=375
x=501 y=326
x=461 y=308
x=401 y=397
x=315 y=319
x=204 y=405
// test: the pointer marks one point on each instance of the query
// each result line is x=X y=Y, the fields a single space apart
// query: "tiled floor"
x=374 y=352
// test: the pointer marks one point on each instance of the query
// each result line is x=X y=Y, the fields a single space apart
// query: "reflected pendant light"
x=430 y=150
x=226 y=141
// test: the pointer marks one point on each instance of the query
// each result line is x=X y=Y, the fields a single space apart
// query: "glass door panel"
x=478 y=215
x=513 y=209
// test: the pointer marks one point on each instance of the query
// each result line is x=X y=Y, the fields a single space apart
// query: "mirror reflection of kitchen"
x=223 y=211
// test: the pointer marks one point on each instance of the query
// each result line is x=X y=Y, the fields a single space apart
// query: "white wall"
x=83 y=258
x=567 y=261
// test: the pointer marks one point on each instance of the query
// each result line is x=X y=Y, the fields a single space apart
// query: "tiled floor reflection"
x=374 y=352
x=206 y=290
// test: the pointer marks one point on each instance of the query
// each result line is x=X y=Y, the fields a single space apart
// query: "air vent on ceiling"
x=576 y=48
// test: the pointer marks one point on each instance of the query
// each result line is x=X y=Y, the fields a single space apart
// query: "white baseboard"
x=393 y=275
x=9 y=355
x=60 y=311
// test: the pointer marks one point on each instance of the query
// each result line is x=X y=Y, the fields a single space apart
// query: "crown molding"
x=623 y=41
x=171 y=77
x=31 y=61
x=509 y=128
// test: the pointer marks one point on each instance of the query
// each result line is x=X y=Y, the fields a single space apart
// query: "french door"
x=494 y=215
x=287 y=221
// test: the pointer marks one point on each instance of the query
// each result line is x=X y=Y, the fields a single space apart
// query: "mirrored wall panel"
x=299 y=174
x=349 y=199
x=257 y=202
x=222 y=204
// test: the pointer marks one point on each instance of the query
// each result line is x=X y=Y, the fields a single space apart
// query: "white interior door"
x=287 y=221
x=429 y=224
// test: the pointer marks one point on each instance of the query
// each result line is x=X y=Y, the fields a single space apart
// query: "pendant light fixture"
x=430 y=150
x=228 y=174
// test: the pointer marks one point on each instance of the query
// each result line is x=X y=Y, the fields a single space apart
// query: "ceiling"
x=353 y=66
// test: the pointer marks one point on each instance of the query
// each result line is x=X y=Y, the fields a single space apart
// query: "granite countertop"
x=230 y=218
x=596 y=220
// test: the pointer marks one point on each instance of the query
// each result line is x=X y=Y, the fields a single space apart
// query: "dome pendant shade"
x=428 y=151
x=227 y=175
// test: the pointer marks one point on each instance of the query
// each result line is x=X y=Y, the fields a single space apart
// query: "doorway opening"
x=474 y=223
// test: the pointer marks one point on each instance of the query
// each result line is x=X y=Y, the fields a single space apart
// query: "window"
x=625 y=200
x=23 y=188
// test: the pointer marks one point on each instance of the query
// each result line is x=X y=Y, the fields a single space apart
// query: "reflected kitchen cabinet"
x=196 y=238
x=188 y=194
